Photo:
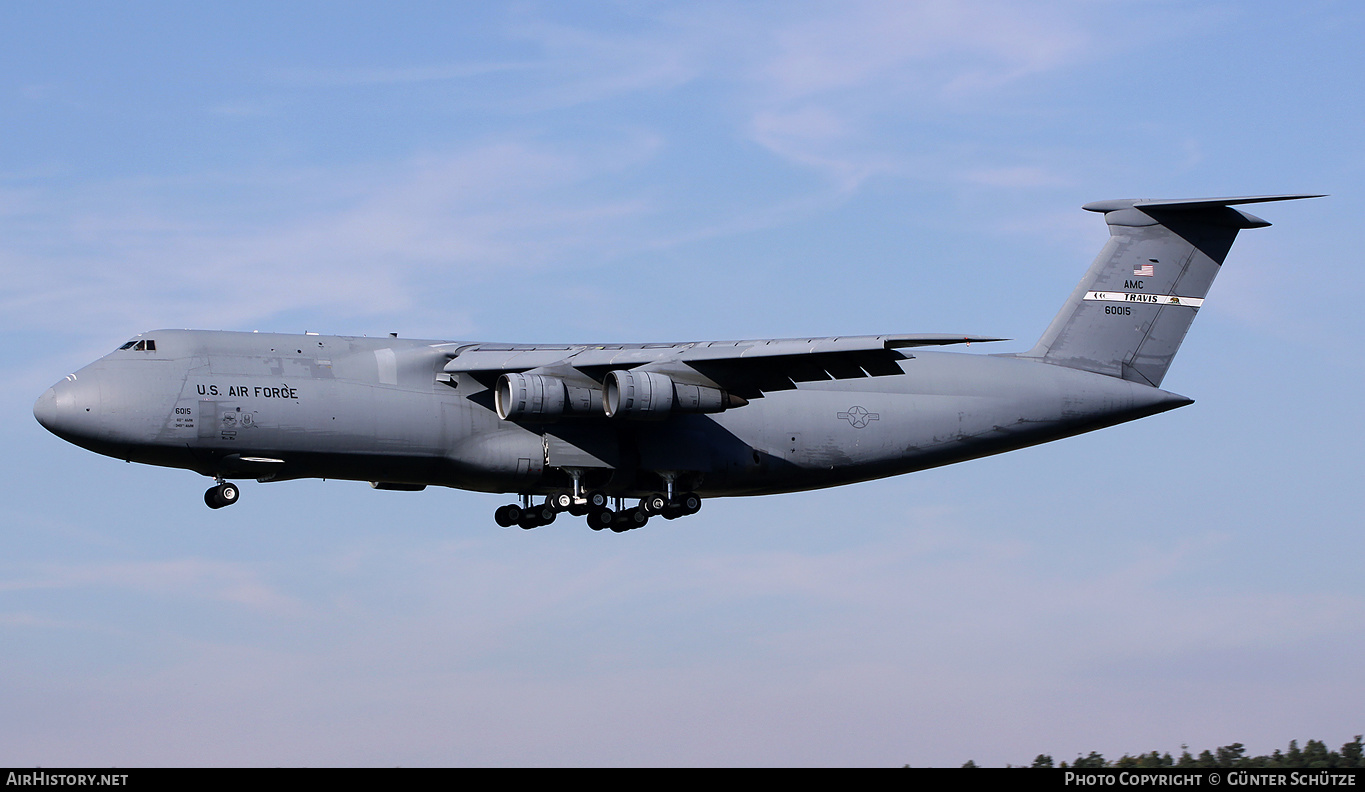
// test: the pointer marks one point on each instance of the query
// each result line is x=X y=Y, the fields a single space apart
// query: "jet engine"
x=647 y=395
x=536 y=397
x=529 y=396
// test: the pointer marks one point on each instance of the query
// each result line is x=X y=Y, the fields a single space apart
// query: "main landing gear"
x=596 y=508
x=224 y=494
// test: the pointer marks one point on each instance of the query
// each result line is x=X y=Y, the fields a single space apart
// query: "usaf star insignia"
x=858 y=417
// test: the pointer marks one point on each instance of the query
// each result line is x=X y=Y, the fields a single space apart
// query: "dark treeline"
x=1312 y=756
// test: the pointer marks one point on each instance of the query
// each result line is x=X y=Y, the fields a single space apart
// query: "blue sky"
x=649 y=171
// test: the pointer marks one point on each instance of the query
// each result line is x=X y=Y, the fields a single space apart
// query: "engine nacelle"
x=537 y=398
x=529 y=397
x=646 y=395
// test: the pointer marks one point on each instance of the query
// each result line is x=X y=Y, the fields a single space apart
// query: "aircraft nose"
x=70 y=409
x=45 y=409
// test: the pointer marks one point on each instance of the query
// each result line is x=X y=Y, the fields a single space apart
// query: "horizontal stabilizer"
x=1188 y=203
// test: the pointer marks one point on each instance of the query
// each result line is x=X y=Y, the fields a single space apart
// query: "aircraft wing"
x=744 y=368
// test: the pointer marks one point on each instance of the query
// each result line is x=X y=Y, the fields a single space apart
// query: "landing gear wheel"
x=629 y=520
x=689 y=503
x=597 y=500
x=560 y=501
x=654 y=504
x=224 y=494
x=537 y=516
x=507 y=516
x=600 y=518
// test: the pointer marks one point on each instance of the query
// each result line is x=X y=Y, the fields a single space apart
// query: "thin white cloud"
x=578 y=65
x=342 y=77
x=214 y=580
x=1017 y=176
x=934 y=46
x=831 y=86
x=356 y=241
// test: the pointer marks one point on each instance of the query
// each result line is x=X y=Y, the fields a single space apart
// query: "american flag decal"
x=1144 y=270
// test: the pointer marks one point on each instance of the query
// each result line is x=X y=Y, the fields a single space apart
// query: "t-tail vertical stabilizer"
x=1132 y=309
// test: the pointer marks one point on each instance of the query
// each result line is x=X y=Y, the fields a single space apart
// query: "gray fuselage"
x=278 y=407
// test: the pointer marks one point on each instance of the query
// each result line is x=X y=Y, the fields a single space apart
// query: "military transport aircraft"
x=584 y=427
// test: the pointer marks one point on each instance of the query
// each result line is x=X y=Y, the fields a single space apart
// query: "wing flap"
x=476 y=358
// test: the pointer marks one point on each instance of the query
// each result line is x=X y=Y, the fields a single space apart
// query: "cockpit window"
x=145 y=345
x=128 y=345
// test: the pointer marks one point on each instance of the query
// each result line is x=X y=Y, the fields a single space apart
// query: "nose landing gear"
x=224 y=494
